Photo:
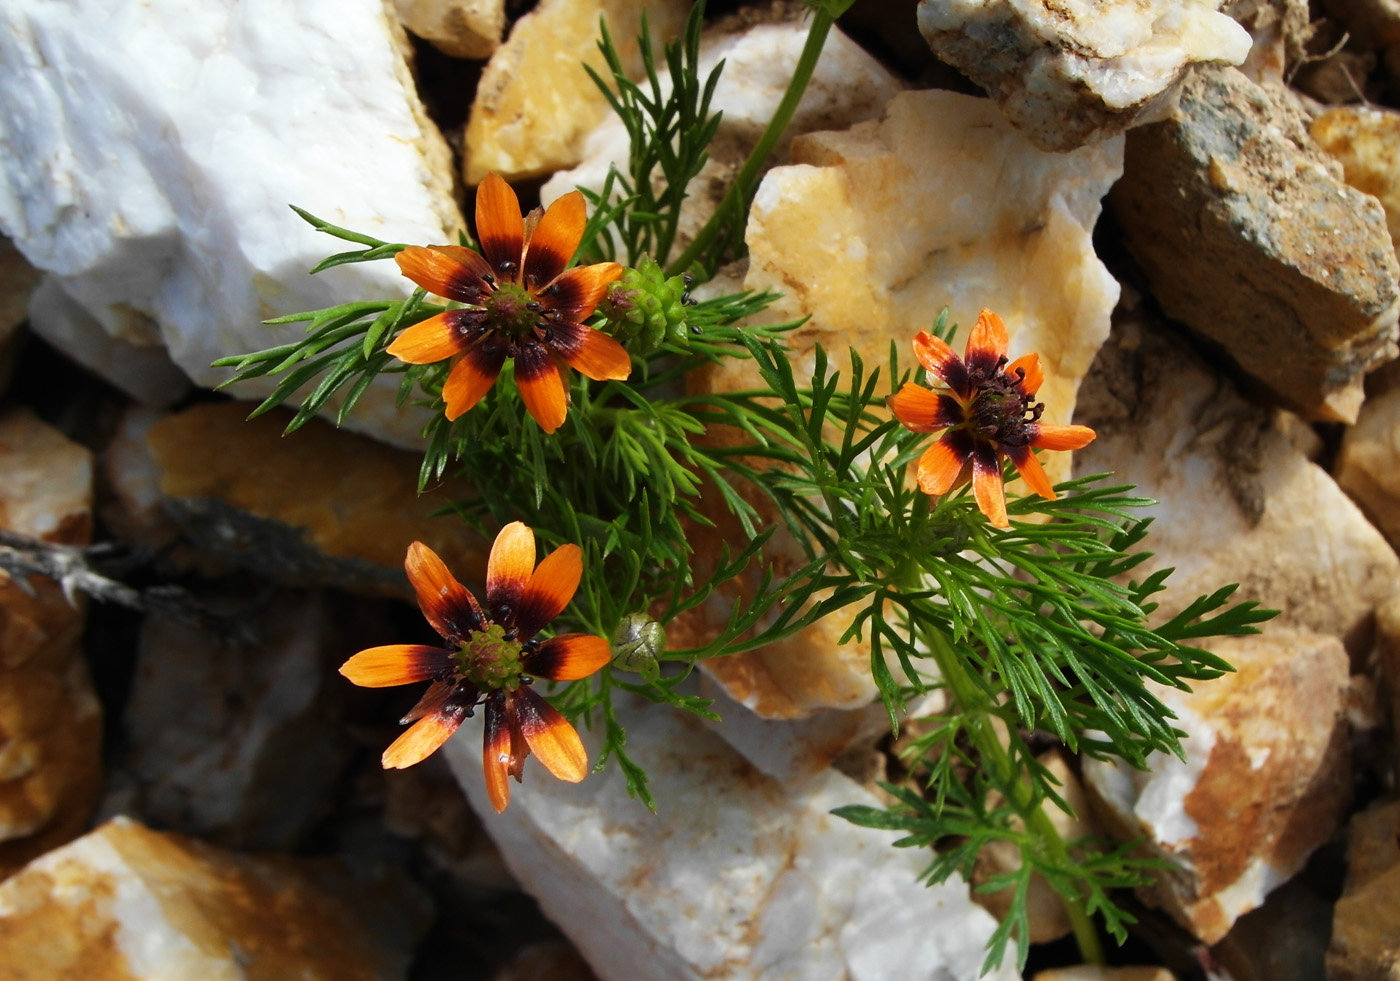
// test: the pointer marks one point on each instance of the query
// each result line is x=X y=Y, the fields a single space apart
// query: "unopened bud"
x=637 y=644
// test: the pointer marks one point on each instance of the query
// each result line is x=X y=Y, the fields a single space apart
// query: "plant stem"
x=993 y=752
x=740 y=194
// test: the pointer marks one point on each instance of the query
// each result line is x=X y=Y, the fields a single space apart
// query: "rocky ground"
x=1189 y=212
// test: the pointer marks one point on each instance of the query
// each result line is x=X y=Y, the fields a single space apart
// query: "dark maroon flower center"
x=1001 y=409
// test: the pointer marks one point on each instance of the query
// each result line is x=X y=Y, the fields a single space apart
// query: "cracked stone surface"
x=1250 y=237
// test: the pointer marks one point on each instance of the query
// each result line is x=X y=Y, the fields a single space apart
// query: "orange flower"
x=492 y=658
x=521 y=304
x=989 y=411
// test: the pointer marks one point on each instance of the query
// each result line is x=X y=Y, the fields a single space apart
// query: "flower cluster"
x=988 y=411
x=492 y=658
x=521 y=303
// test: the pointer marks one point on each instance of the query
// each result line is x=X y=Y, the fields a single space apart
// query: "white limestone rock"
x=460 y=28
x=143 y=371
x=847 y=86
x=1067 y=74
x=868 y=234
x=154 y=149
x=1236 y=501
x=735 y=877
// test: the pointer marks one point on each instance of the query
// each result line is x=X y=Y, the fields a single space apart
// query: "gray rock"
x=1249 y=236
x=239 y=742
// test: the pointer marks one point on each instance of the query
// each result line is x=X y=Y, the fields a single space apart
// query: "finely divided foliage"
x=1027 y=627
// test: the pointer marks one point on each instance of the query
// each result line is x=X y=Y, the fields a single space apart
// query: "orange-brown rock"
x=319 y=506
x=1366 y=920
x=1265 y=781
x=50 y=720
x=125 y=903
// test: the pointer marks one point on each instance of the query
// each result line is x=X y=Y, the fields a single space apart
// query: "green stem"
x=736 y=201
x=993 y=751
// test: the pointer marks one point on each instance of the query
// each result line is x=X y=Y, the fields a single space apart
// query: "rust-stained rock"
x=1366 y=920
x=318 y=507
x=535 y=103
x=1265 y=781
x=869 y=234
x=125 y=903
x=1366 y=140
x=50 y=720
x=1249 y=236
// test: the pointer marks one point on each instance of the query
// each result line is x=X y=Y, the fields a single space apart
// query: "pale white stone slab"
x=737 y=876
x=1071 y=73
x=153 y=149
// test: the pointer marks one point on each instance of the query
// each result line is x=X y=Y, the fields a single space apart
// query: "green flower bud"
x=644 y=307
x=637 y=644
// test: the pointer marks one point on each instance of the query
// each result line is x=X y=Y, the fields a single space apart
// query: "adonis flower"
x=491 y=659
x=521 y=304
x=989 y=412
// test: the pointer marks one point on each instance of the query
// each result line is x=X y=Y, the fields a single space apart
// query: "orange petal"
x=1031 y=471
x=495 y=752
x=508 y=571
x=923 y=411
x=554 y=241
x=549 y=590
x=591 y=351
x=987 y=486
x=568 y=657
x=549 y=735
x=575 y=294
x=941 y=362
x=395 y=664
x=1030 y=364
x=446 y=603
x=1062 y=437
x=434 y=698
x=447 y=270
x=986 y=344
x=942 y=464
x=423 y=738
x=499 y=227
x=438 y=338
x=541 y=387
x=472 y=377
